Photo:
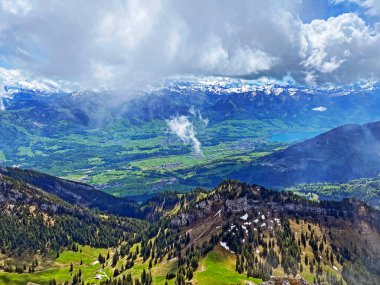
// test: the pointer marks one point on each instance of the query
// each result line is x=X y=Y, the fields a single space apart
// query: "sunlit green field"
x=219 y=268
x=140 y=159
x=366 y=189
x=58 y=268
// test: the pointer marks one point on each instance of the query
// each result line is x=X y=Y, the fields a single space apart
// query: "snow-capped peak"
x=13 y=81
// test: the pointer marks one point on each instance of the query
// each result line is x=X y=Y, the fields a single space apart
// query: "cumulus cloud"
x=183 y=128
x=339 y=49
x=126 y=43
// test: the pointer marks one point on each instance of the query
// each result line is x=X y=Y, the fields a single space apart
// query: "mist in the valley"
x=183 y=127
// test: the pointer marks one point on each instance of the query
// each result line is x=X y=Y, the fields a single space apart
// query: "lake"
x=293 y=136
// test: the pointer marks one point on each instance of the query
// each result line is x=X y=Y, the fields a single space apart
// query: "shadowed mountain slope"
x=344 y=153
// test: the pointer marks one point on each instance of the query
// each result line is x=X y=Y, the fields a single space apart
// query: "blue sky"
x=117 y=44
x=314 y=9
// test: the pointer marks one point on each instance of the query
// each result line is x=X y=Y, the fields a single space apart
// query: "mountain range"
x=133 y=191
x=247 y=231
x=109 y=139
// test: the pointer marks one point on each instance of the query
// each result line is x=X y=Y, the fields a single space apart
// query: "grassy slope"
x=218 y=267
x=218 y=263
x=59 y=268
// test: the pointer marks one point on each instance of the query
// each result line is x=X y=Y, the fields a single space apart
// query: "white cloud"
x=16 y=6
x=129 y=42
x=123 y=44
x=11 y=80
x=3 y=95
x=243 y=61
x=214 y=55
x=319 y=109
x=372 y=6
x=341 y=48
x=310 y=79
x=184 y=129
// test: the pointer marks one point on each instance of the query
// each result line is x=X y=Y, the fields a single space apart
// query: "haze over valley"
x=193 y=142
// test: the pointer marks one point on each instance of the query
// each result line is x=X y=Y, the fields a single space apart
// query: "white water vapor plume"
x=197 y=114
x=183 y=128
x=2 y=92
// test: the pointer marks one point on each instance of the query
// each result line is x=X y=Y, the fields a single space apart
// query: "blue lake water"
x=292 y=136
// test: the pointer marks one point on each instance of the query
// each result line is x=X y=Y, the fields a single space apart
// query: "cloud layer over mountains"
x=116 y=44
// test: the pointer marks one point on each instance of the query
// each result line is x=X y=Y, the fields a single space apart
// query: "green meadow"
x=59 y=268
x=218 y=267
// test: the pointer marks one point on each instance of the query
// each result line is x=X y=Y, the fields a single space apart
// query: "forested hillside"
x=364 y=189
x=33 y=221
x=251 y=232
x=80 y=194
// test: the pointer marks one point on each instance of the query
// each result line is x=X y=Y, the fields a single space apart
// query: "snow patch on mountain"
x=265 y=86
x=13 y=81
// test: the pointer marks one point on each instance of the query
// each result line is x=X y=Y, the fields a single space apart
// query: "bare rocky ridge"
x=286 y=281
x=232 y=198
x=351 y=227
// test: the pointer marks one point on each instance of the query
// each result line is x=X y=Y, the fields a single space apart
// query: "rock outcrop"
x=286 y=281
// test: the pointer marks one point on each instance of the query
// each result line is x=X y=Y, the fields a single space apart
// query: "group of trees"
x=18 y=231
x=280 y=247
x=8 y=267
x=290 y=251
x=37 y=222
x=162 y=241
x=257 y=265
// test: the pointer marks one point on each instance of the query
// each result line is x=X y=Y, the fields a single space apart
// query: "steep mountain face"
x=75 y=193
x=35 y=221
x=269 y=231
x=344 y=153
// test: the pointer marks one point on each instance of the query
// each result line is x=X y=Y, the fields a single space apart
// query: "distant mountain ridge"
x=100 y=138
x=75 y=193
x=344 y=153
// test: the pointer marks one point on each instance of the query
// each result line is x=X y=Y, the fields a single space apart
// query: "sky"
x=121 y=44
